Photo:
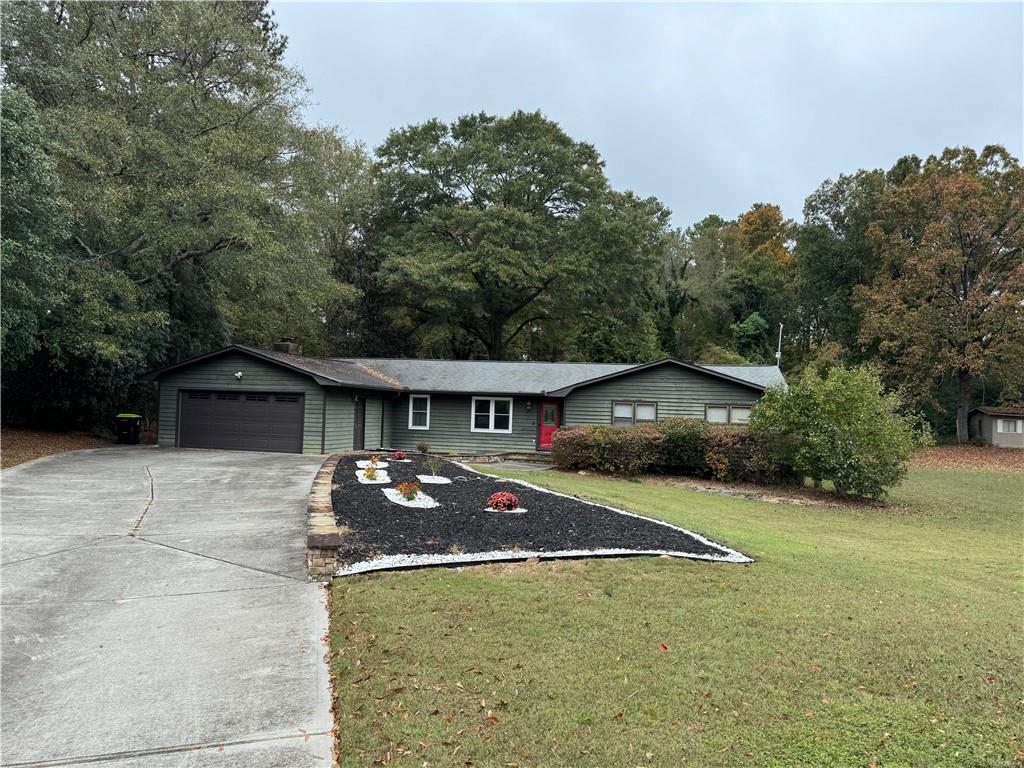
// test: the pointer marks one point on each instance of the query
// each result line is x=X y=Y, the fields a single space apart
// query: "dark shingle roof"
x=762 y=375
x=331 y=370
x=490 y=376
x=999 y=410
x=470 y=376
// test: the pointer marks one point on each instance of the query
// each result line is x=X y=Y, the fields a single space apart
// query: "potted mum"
x=503 y=501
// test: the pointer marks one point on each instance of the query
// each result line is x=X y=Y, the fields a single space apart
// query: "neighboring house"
x=277 y=400
x=1002 y=427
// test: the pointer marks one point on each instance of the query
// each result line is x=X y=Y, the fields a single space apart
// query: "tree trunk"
x=496 y=338
x=963 y=404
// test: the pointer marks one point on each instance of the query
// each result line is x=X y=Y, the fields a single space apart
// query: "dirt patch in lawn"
x=20 y=445
x=781 y=494
x=969 y=457
x=460 y=530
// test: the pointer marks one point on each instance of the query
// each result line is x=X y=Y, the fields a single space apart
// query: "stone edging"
x=323 y=534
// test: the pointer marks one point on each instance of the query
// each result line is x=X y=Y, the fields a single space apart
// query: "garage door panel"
x=263 y=421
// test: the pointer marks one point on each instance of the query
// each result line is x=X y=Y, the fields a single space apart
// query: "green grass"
x=860 y=636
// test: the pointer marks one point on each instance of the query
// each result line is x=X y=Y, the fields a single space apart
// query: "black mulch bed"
x=395 y=536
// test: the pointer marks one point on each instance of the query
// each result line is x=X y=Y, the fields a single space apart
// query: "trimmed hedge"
x=607 y=449
x=675 y=446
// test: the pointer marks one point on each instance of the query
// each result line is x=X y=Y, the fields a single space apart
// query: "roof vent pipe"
x=287 y=344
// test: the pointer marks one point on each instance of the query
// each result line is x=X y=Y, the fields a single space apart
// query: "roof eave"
x=565 y=391
x=251 y=351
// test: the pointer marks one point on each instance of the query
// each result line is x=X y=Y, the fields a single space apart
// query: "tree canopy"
x=499 y=227
x=163 y=197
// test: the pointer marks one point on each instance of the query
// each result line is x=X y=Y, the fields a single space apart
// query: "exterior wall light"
x=238 y=375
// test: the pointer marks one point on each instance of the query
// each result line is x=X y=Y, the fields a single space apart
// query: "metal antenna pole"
x=778 y=352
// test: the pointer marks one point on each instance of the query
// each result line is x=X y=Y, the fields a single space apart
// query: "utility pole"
x=778 y=352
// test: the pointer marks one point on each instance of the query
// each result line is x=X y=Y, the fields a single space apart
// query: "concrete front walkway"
x=154 y=611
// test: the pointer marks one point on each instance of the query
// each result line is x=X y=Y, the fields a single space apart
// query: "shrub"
x=573 y=448
x=842 y=427
x=409 y=491
x=399 y=455
x=675 y=446
x=370 y=473
x=503 y=501
x=683 y=449
x=627 y=451
x=435 y=464
x=374 y=460
x=722 y=446
x=423 y=446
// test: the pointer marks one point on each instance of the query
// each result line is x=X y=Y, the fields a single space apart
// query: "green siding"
x=679 y=392
x=257 y=376
x=340 y=417
x=374 y=436
x=449 y=427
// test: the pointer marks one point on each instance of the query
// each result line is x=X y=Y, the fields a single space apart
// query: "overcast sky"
x=708 y=107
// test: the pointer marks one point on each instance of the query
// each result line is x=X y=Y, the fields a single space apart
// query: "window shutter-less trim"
x=419 y=411
x=490 y=414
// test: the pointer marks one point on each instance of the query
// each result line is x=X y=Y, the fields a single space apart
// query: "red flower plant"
x=503 y=501
x=374 y=460
x=399 y=455
x=409 y=491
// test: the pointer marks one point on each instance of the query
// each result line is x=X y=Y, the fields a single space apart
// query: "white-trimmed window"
x=627 y=413
x=727 y=414
x=419 y=411
x=716 y=414
x=491 y=414
x=1008 y=426
x=739 y=414
x=622 y=414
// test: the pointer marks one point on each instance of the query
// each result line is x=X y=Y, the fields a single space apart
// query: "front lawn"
x=860 y=636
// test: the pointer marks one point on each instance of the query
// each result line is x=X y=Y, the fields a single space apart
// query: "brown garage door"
x=242 y=421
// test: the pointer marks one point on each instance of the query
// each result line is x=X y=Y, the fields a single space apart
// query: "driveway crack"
x=133 y=753
x=97 y=540
x=152 y=497
x=221 y=560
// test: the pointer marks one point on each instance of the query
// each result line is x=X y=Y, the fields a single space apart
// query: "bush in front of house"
x=842 y=427
x=684 y=444
x=674 y=446
x=719 y=452
x=628 y=451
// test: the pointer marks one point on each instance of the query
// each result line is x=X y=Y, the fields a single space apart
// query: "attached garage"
x=247 y=399
x=244 y=421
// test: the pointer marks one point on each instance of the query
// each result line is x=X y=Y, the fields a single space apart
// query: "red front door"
x=548 y=423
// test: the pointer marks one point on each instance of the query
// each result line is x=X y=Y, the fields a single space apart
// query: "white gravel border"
x=422 y=501
x=365 y=464
x=516 y=511
x=382 y=477
x=393 y=562
x=433 y=479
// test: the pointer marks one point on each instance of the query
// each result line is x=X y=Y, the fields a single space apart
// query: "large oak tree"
x=499 y=228
x=948 y=299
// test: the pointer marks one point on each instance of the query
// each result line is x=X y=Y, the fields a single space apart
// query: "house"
x=246 y=398
x=1002 y=427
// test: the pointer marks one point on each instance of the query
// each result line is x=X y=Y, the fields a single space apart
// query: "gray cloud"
x=708 y=107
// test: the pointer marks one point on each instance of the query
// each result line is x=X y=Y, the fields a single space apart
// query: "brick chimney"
x=287 y=344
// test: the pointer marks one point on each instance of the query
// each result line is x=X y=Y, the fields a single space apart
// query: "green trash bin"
x=128 y=427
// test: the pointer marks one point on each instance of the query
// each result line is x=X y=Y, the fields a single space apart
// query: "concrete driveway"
x=155 y=611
